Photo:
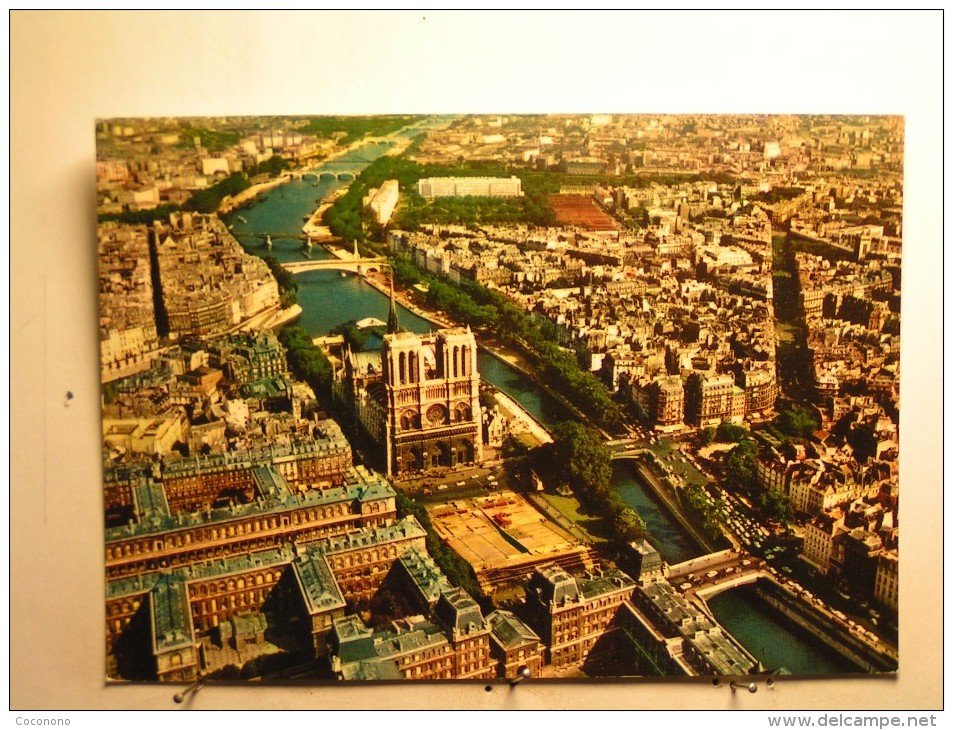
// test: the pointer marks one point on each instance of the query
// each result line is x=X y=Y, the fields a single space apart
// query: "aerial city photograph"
x=561 y=396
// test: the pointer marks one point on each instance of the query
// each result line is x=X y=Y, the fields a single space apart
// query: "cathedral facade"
x=418 y=398
x=431 y=391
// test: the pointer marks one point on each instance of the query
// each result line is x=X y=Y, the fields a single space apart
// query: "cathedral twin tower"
x=432 y=388
x=421 y=399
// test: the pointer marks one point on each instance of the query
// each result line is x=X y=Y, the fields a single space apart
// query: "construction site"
x=504 y=538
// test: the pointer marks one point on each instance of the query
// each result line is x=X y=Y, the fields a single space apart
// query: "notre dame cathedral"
x=419 y=397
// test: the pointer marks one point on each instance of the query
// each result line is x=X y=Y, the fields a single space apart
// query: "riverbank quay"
x=652 y=481
x=524 y=422
x=506 y=354
x=829 y=629
x=519 y=362
x=231 y=203
x=315 y=227
x=281 y=317
x=267 y=319
x=383 y=284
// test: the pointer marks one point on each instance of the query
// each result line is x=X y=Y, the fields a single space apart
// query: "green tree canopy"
x=306 y=361
x=208 y=200
x=740 y=465
x=287 y=286
x=797 y=421
x=274 y=165
x=581 y=456
x=629 y=525
x=776 y=505
x=355 y=336
x=730 y=432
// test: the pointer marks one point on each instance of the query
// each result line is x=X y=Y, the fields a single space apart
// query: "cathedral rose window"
x=437 y=414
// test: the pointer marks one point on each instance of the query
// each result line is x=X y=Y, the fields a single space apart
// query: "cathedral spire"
x=393 y=326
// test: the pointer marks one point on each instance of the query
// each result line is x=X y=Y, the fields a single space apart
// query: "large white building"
x=383 y=201
x=487 y=187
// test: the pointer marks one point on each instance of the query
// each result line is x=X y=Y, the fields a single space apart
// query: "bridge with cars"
x=709 y=575
x=627 y=448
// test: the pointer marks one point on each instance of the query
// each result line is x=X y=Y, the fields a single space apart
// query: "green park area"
x=213 y=140
x=569 y=507
x=352 y=129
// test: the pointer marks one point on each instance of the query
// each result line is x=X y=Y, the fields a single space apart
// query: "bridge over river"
x=344 y=169
x=269 y=237
x=701 y=579
x=360 y=266
x=626 y=448
x=708 y=575
x=342 y=260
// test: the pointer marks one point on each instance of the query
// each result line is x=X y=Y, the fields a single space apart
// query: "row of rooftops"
x=650 y=323
x=314 y=574
x=552 y=585
x=818 y=272
x=125 y=284
x=509 y=631
x=328 y=440
x=171 y=614
x=332 y=441
x=425 y=574
x=361 y=485
x=675 y=616
x=364 y=653
x=720 y=653
x=318 y=587
x=172 y=621
x=261 y=342
x=150 y=502
x=457 y=610
x=210 y=569
x=206 y=263
x=407 y=528
x=680 y=615
x=716 y=143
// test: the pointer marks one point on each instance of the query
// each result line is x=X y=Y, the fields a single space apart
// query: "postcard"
x=500 y=396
